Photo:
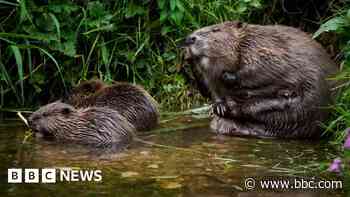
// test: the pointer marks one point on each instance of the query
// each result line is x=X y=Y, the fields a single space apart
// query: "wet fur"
x=97 y=126
x=279 y=86
x=132 y=101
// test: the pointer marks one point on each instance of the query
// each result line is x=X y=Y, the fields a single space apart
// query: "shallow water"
x=186 y=159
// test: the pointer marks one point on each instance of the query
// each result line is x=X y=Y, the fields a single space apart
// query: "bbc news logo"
x=51 y=175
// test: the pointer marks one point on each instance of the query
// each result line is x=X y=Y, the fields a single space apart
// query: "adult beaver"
x=98 y=126
x=131 y=101
x=264 y=80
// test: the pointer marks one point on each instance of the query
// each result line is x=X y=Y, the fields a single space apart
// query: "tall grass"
x=129 y=40
x=47 y=48
x=340 y=25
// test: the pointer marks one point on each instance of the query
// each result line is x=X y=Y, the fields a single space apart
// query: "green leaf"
x=29 y=56
x=34 y=37
x=161 y=4
x=242 y=7
x=66 y=8
x=348 y=15
x=8 y=3
x=177 y=17
x=180 y=6
x=163 y=16
x=23 y=11
x=37 y=81
x=104 y=52
x=55 y=62
x=134 y=10
x=165 y=30
x=331 y=25
x=57 y=25
x=96 y=9
x=168 y=56
x=109 y=27
x=7 y=40
x=255 y=3
x=68 y=48
x=18 y=57
x=172 y=5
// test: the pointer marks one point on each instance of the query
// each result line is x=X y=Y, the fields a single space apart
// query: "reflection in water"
x=188 y=161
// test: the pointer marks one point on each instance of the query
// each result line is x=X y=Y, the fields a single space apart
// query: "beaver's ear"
x=235 y=24
x=99 y=85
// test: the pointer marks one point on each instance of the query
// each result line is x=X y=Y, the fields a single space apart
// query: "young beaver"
x=264 y=80
x=98 y=126
x=131 y=101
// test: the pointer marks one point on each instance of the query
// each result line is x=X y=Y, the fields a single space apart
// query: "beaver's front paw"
x=233 y=109
x=220 y=109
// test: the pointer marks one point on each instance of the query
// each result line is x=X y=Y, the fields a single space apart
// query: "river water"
x=180 y=158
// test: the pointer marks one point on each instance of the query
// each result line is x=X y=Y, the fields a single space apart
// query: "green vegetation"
x=340 y=25
x=46 y=47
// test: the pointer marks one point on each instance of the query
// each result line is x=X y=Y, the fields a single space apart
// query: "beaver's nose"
x=31 y=121
x=190 y=40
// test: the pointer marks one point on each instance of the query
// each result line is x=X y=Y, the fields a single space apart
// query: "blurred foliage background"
x=48 y=46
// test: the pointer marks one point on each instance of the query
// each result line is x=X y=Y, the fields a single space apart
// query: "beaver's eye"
x=35 y=118
x=66 y=110
x=203 y=33
x=45 y=114
x=215 y=29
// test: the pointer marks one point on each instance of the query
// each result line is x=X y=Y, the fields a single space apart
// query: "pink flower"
x=335 y=166
x=347 y=140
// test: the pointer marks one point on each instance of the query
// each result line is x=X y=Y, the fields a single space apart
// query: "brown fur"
x=131 y=101
x=278 y=77
x=98 y=126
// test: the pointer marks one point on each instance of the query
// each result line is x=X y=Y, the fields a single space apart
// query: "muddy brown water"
x=189 y=160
